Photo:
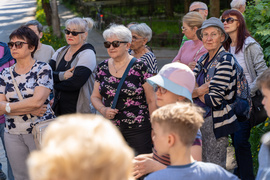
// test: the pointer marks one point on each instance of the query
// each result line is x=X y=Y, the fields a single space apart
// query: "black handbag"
x=258 y=113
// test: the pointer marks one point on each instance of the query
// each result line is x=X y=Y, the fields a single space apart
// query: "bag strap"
x=17 y=89
x=115 y=99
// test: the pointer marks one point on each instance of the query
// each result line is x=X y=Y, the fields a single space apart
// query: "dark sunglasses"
x=115 y=44
x=229 y=20
x=18 y=44
x=198 y=9
x=72 y=32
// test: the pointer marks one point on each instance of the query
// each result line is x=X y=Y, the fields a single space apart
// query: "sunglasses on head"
x=198 y=9
x=115 y=44
x=72 y=32
x=18 y=44
x=229 y=20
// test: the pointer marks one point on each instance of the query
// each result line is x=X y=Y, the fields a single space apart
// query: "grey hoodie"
x=255 y=63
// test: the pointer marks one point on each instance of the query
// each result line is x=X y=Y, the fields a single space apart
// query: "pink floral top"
x=132 y=105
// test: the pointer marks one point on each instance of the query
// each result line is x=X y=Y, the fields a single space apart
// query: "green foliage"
x=48 y=37
x=54 y=41
x=255 y=136
x=257 y=17
x=40 y=14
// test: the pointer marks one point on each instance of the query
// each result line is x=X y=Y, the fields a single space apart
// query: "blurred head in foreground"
x=81 y=147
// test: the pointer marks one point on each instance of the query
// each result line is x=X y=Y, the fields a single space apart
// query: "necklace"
x=116 y=70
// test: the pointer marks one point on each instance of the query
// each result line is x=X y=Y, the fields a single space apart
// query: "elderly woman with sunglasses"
x=249 y=54
x=193 y=49
x=214 y=92
x=73 y=66
x=141 y=34
x=34 y=81
x=136 y=99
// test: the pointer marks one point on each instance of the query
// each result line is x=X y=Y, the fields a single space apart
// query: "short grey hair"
x=82 y=24
x=35 y=23
x=142 y=30
x=203 y=5
x=120 y=31
x=237 y=3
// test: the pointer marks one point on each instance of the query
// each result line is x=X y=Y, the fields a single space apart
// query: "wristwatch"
x=8 y=109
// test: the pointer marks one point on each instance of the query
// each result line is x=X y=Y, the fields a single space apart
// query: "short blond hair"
x=193 y=19
x=182 y=118
x=82 y=147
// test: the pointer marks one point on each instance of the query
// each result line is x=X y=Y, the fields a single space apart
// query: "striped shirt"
x=222 y=89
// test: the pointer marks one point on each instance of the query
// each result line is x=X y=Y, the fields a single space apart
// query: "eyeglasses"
x=18 y=44
x=206 y=36
x=160 y=89
x=134 y=38
x=72 y=32
x=197 y=9
x=115 y=44
x=229 y=20
x=183 y=28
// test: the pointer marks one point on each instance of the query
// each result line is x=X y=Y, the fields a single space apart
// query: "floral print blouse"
x=39 y=75
x=132 y=105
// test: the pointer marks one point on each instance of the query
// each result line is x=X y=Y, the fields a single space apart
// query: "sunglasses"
x=160 y=89
x=229 y=20
x=18 y=44
x=198 y=9
x=115 y=44
x=72 y=32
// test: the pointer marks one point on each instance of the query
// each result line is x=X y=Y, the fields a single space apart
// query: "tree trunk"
x=215 y=8
x=55 y=19
x=169 y=8
x=48 y=11
x=186 y=5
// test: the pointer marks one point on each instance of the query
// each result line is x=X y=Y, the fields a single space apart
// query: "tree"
x=215 y=8
x=55 y=19
x=169 y=8
x=186 y=4
x=48 y=11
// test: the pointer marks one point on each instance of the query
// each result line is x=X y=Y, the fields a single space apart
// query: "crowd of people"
x=123 y=118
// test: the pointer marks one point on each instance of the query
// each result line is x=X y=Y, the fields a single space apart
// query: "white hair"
x=237 y=3
x=120 y=31
x=142 y=30
x=82 y=24
x=203 y=5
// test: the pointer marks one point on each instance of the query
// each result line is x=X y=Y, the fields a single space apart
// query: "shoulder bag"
x=258 y=113
x=115 y=99
x=38 y=128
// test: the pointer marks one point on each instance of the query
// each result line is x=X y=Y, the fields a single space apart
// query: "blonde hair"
x=182 y=118
x=193 y=19
x=82 y=24
x=82 y=147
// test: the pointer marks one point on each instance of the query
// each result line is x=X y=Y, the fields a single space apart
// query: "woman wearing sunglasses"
x=73 y=66
x=136 y=100
x=250 y=56
x=193 y=49
x=142 y=34
x=34 y=81
x=169 y=89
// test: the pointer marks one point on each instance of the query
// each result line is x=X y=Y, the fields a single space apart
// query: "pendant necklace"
x=116 y=70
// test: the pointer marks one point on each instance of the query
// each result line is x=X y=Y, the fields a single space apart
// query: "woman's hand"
x=69 y=73
x=108 y=112
x=204 y=89
x=39 y=111
x=192 y=65
x=143 y=164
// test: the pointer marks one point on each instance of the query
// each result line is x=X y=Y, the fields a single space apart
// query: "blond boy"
x=174 y=130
